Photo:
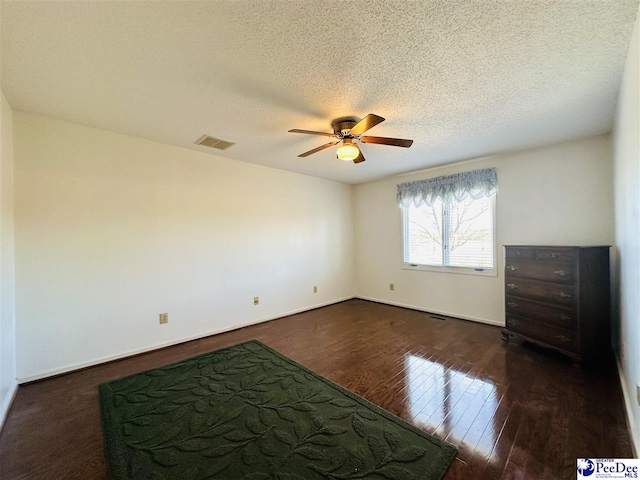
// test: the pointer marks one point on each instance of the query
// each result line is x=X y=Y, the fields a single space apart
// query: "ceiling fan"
x=349 y=130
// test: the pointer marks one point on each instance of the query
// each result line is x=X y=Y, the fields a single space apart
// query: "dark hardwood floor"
x=513 y=411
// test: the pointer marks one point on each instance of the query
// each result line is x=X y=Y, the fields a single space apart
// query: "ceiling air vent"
x=212 y=142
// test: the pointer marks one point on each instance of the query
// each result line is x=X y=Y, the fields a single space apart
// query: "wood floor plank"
x=514 y=411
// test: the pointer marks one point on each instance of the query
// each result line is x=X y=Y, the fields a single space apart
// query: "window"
x=448 y=222
x=451 y=234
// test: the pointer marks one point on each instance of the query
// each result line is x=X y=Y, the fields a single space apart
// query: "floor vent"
x=437 y=317
x=213 y=142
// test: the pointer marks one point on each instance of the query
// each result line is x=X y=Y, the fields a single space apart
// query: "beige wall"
x=112 y=230
x=627 y=216
x=7 y=273
x=556 y=195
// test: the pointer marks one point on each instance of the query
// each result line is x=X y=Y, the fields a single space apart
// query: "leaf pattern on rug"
x=248 y=412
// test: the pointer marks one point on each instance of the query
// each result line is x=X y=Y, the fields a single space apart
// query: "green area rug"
x=248 y=412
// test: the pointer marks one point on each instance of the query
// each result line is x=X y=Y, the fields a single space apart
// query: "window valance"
x=476 y=184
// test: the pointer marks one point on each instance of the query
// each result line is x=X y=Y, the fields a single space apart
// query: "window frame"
x=492 y=272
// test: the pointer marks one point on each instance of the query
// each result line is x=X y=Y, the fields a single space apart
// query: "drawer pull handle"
x=560 y=273
x=518 y=253
x=562 y=338
x=512 y=304
x=553 y=255
x=563 y=295
x=513 y=286
x=562 y=316
x=513 y=268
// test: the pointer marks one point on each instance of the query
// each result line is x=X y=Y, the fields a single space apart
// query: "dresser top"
x=558 y=246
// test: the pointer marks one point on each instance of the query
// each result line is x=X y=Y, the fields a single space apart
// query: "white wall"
x=7 y=273
x=112 y=230
x=556 y=195
x=627 y=240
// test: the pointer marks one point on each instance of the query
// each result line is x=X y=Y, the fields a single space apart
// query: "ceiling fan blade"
x=396 y=142
x=326 y=145
x=359 y=158
x=311 y=132
x=366 y=123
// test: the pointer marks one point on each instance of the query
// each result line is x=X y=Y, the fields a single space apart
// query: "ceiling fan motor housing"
x=342 y=126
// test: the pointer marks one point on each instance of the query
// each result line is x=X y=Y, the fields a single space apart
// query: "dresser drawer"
x=549 y=314
x=554 y=336
x=558 y=293
x=546 y=271
x=559 y=254
x=515 y=253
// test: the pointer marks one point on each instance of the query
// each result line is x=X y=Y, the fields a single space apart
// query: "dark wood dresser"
x=558 y=297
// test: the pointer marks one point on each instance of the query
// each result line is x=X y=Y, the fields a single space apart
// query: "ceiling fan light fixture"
x=348 y=130
x=348 y=152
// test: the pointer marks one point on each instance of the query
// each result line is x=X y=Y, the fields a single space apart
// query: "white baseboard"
x=431 y=310
x=635 y=435
x=121 y=355
x=6 y=405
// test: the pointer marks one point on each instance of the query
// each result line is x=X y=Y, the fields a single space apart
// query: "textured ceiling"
x=461 y=78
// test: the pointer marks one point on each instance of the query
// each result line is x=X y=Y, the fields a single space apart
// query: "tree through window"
x=450 y=234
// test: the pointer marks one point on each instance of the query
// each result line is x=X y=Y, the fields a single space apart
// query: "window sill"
x=457 y=270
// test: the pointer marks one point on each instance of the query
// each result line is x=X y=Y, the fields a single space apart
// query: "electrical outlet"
x=638 y=392
x=256 y=300
x=164 y=318
x=315 y=289
x=392 y=286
